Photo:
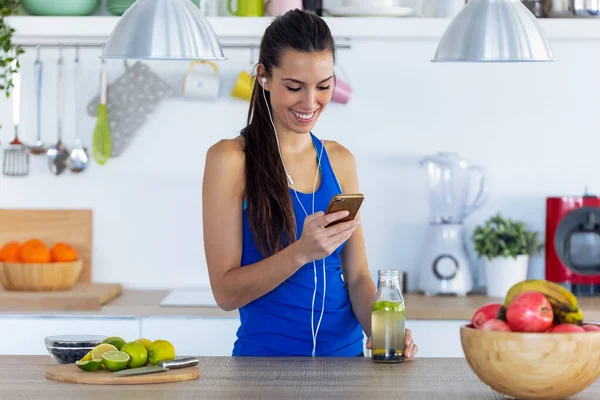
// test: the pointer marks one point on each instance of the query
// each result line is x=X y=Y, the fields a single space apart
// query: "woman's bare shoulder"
x=226 y=152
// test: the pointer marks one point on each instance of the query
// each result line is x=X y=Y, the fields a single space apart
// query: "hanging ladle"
x=79 y=158
x=58 y=155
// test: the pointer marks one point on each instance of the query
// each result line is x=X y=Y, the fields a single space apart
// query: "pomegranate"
x=495 y=325
x=529 y=312
x=562 y=328
x=485 y=313
x=591 y=328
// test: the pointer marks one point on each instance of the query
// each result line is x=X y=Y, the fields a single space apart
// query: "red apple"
x=591 y=328
x=529 y=312
x=495 y=325
x=485 y=313
x=562 y=328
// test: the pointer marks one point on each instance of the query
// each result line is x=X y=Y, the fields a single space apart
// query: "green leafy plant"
x=8 y=51
x=503 y=237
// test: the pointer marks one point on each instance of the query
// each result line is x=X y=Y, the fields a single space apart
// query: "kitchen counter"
x=146 y=303
x=23 y=378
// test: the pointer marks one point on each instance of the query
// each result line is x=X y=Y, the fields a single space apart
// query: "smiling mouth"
x=304 y=117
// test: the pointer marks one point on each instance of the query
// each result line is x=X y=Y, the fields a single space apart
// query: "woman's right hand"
x=318 y=242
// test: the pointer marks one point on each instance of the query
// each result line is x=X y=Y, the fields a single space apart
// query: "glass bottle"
x=387 y=319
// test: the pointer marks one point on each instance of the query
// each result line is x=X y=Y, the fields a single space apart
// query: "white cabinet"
x=437 y=338
x=25 y=334
x=194 y=336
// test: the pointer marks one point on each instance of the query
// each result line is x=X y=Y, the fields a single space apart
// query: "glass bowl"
x=66 y=349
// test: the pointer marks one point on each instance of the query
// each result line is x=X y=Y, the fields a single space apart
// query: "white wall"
x=532 y=127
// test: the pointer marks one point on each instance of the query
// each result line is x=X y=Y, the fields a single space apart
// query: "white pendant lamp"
x=163 y=30
x=494 y=31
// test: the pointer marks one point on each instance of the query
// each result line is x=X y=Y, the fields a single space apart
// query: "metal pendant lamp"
x=494 y=31
x=163 y=30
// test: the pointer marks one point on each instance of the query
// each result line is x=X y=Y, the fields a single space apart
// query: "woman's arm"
x=222 y=201
x=354 y=259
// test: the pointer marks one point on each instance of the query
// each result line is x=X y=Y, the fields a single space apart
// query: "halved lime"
x=89 y=365
x=101 y=349
x=385 y=305
x=115 y=360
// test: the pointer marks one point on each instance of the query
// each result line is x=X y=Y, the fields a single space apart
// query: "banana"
x=564 y=304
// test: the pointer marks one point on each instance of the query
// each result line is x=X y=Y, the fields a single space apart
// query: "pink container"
x=280 y=7
x=342 y=91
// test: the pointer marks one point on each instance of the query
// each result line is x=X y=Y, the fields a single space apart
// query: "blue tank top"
x=279 y=323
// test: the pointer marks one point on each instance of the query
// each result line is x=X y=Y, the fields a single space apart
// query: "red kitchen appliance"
x=573 y=243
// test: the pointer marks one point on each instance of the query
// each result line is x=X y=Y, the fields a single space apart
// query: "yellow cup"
x=242 y=89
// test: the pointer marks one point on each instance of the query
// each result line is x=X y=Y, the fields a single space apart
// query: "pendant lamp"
x=494 y=31
x=163 y=30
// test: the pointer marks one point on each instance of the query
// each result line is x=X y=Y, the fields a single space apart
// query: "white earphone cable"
x=312 y=318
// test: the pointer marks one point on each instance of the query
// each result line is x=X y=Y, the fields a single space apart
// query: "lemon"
x=101 y=349
x=89 y=365
x=145 y=342
x=115 y=360
x=137 y=353
x=160 y=350
x=115 y=341
x=87 y=357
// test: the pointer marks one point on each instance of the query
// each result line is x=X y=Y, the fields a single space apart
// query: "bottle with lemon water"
x=387 y=319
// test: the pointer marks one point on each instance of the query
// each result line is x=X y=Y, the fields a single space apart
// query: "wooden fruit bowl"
x=533 y=365
x=40 y=277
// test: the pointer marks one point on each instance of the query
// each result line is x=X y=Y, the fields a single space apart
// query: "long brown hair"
x=270 y=212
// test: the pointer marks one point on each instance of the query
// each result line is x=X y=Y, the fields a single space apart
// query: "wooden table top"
x=23 y=378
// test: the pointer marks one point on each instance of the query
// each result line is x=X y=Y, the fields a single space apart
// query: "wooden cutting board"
x=70 y=373
x=83 y=296
x=50 y=226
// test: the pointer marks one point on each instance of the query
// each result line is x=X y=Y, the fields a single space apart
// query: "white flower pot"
x=501 y=273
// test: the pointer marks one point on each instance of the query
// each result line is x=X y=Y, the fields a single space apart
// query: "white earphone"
x=312 y=318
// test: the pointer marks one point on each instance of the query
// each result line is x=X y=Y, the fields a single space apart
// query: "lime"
x=145 y=342
x=115 y=360
x=89 y=365
x=160 y=350
x=101 y=349
x=115 y=341
x=87 y=357
x=388 y=306
x=137 y=352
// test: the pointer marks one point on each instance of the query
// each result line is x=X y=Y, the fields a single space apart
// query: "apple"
x=529 y=312
x=562 y=328
x=591 y=328
x=495 y=325
x=485 y=313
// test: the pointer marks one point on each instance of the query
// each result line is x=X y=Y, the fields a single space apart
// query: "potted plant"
x=505 y=246
x=8 y=50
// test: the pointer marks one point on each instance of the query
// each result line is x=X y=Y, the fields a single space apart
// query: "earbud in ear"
x=264 y=81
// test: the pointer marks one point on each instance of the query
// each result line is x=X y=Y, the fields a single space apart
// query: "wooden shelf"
x=95 y=29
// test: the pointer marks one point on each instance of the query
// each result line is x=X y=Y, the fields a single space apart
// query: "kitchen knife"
x=162 y=366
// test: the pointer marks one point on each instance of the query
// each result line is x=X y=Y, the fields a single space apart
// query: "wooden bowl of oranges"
x=33 y=266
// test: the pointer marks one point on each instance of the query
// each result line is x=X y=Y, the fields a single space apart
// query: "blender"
x=443 y=265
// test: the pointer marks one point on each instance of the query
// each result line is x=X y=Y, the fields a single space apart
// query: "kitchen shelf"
x=95 y=29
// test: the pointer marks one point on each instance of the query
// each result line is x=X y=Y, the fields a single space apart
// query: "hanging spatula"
x=16 y=155
x=101 y=141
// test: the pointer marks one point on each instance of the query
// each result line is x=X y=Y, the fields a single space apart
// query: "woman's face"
x=300 y=89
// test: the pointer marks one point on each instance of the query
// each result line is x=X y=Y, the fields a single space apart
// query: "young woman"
x=301 y=288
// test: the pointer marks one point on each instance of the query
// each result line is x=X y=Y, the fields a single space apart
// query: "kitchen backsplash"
x=533 y=128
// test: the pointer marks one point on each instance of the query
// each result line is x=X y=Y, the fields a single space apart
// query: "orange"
x=62 y=252
x=10 y=252
x=35 y=251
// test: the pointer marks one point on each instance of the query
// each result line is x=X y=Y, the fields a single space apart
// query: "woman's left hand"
x=410 y=348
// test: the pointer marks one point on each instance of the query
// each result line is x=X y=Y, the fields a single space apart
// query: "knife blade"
x=162 y=366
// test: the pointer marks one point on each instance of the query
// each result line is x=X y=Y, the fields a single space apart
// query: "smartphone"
x=348 y=202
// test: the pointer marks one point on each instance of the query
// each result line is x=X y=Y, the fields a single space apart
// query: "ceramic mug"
x=201 y=84
x=242 y=89
x=247 y=8
x=280 y=7
x=342 y=91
